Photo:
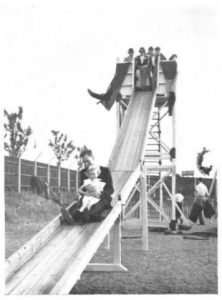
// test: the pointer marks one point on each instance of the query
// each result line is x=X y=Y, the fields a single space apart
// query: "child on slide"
x=92 y=182
x=89 y=198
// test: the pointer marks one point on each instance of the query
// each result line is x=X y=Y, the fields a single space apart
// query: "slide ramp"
x=53 y=260
x=129 y=147
x=57 y=264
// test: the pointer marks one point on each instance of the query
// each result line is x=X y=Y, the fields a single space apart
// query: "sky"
x=54 y=50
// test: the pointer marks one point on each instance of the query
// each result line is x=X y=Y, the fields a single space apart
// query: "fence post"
x=68 y=179
x=19 y=175
x=48 y=175
x=48 y=179
x=77 y=182
x=35 y=164
x=59 y=177
x=59 y=183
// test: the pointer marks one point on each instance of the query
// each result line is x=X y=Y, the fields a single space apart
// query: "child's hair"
x=93 y=167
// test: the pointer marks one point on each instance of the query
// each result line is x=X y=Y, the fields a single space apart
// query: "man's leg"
x=95 y=95
x=201 y=218
x=96 y=210
x=66 y=216
x=138 y=79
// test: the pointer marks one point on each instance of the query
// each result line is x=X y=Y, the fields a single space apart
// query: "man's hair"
x=150 y=48
x=200 y=179
x=142 y=49
x=86 y=152
x=130 y=50
x=157 y=48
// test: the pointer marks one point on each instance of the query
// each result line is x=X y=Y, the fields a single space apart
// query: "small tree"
x=61 y=147
x=16 y=137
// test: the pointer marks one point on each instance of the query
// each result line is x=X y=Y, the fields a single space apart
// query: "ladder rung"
x=152 y=161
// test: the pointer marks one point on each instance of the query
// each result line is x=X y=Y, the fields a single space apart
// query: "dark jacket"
x=162 y=57
x=139 y=63
x=106 y=177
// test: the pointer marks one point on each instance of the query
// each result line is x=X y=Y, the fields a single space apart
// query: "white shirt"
x=201 y=190
x=142 y=57
x=96 y=183
x=179 y=198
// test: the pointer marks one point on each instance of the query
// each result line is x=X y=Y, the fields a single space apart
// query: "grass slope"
x=25 y=215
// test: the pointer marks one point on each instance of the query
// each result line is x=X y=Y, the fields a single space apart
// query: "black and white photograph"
x=110 y=135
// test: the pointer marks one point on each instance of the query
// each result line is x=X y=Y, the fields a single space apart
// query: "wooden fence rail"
x=18 y=173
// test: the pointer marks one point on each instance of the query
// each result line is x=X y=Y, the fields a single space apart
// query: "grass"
x=25 y=215
x=172 y=265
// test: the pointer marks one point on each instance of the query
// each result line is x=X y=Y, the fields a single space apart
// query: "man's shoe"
x=66 y=216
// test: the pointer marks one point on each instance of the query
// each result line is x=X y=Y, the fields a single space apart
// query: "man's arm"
x=108 y=187
x=83 y=191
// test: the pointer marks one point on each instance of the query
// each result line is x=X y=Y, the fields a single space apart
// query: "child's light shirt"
x=96 y=183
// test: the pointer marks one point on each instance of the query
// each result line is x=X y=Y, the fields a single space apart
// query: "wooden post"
x=35 y=168
x=144 y=208
x=48 y=175
x=48 y=179
x=116 y=230
x=117 y=242
x=161 y=198
x=194 y=185
x=77 y=182
x=35 y=164
x=107 y=242
x=59 y=184
x=160 y=163
x=174 y=164
x=59 y=177
x=212 y=184
x=68 y=179
x=19 y=175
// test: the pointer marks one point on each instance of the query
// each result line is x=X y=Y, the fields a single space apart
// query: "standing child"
x=179 y=200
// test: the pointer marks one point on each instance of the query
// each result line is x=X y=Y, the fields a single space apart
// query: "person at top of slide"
x=129 y=58
x=159 y=54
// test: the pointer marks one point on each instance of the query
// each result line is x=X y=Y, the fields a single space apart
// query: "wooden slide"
x=54 y=259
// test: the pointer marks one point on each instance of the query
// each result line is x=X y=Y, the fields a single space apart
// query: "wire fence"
x=18 y=174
